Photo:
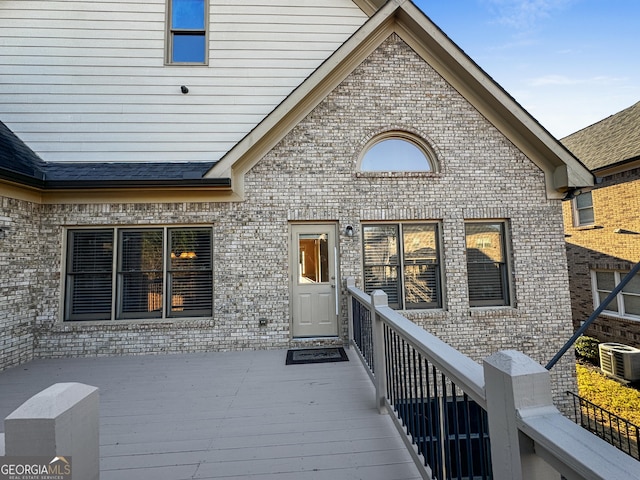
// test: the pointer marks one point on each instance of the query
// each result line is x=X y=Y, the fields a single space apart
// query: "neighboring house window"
x=187 y=32
x=626 y=303
x=403 y=260
x=487 y=271
x=583 y=209
x=397 y=152
x=136 y=273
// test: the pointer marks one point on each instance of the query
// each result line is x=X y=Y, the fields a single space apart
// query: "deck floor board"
x=231 y=415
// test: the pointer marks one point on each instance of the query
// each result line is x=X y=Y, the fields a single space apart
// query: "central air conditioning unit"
x=619 y=360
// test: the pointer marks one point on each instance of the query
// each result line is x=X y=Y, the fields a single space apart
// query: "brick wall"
x=19 y=280
x=310 y=176
x=616 y=203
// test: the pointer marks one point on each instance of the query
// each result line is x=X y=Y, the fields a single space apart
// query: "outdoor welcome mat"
x=316 y=355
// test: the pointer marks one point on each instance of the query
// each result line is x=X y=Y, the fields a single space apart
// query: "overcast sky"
x=569 y=63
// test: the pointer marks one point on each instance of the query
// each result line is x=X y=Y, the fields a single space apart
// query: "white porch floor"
x=242 y=415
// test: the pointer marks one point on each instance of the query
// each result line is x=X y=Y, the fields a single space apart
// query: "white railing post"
x=60 y=421
x=515 y=383
x=351 y=283
x=379 y=299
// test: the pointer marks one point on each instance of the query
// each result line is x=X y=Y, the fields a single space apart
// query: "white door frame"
x=313 y=282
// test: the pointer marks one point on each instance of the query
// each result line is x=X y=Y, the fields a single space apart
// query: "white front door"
x=313 y=280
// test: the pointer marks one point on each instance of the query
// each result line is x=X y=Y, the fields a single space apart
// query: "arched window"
x=394 y=152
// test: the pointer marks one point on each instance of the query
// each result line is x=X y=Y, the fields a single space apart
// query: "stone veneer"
x=311 y=176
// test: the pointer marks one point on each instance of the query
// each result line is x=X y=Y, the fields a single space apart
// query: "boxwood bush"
x=587 y=349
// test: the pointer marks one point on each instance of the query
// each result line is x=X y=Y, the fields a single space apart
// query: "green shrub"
x=587 y=349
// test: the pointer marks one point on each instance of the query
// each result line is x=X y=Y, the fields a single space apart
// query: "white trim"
x=617 y=277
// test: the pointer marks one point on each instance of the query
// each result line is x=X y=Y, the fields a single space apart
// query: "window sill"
x=428 y=174
x=76 y=325
x=616 y=316
x=588 y=227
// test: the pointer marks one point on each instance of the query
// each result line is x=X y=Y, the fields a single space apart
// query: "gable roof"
x=563 y=171
x=612 y=141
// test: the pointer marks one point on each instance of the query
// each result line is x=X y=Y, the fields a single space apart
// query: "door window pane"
x=313 y=258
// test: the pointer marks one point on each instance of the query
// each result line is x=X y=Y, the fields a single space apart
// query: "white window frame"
x=402 y=263
x=168 y=274
x=421 y=145
x=620 y=297
x=577 y=210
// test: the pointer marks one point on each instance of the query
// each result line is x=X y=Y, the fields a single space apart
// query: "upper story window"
x=627 y=303
x=397 y=152
x=487 y=268
x=403 y=260
x=138 y=273
x=583 y=210
x=187 y=32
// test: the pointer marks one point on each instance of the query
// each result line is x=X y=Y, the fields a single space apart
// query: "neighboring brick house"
x=393 y=159
x=602 y=227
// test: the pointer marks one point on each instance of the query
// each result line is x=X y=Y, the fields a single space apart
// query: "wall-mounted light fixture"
x=348 y=231
x=184 y=89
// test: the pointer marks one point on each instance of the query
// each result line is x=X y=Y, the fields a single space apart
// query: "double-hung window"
x=627 y=303
x=402 y=259
x=138 y=273
x=487 y=271
x=583 y=214
x=187 y=32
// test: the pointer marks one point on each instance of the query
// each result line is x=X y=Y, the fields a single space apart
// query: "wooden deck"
x=242 y=415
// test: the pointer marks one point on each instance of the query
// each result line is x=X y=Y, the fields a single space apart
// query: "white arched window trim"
x=376 y=156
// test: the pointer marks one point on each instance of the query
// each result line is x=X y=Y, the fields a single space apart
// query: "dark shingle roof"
x=19 y=163
x=16 y=157
x=612 y=140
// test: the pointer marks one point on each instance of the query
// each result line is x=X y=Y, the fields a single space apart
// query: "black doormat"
x=316 y=355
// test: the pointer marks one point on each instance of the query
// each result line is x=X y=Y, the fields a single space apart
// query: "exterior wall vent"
x=620 y=361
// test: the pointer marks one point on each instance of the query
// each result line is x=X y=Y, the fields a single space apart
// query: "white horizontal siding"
x=86 y=80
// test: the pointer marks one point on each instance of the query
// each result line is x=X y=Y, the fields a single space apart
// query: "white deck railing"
x=464 y=420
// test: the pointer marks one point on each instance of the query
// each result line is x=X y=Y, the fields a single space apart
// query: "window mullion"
x=116 y=295
x=165 y=272
x=401 y=282
x=619 y=296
